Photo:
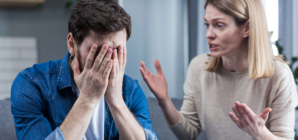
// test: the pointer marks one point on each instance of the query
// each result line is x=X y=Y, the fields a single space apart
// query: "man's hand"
x=92 y=82
x=114 y=90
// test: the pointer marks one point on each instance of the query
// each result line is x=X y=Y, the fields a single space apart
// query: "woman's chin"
x=215 y=54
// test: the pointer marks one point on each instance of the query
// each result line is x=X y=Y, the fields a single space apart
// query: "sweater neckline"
x=237 y=74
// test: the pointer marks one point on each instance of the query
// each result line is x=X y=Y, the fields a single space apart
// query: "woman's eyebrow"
x=216 y=19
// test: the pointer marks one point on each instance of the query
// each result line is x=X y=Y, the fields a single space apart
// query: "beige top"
x=209 y=97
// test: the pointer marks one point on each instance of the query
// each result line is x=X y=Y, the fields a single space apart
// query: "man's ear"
x=246 y=29
x=71 y=44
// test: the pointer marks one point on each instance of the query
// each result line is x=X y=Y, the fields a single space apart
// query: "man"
x=85 y=95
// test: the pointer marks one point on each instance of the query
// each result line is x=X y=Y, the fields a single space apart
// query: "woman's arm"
x=184 y=124
x=159 y=86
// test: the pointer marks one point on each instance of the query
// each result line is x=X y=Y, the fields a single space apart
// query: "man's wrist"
x=87 y=103
x=115 y=102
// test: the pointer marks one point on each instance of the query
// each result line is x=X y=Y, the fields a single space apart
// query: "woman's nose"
x=210 y=34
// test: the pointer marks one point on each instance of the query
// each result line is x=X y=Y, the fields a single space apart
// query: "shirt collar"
x=64 y=78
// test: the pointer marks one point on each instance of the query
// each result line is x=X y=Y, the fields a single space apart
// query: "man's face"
x=113 y=40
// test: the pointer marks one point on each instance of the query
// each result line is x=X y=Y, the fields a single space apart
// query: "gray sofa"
x=7 y=130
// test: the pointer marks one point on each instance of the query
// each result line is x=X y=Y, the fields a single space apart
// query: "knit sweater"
x=209 y=97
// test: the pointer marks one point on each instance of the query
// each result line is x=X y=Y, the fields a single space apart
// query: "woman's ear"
x=246 y=29
x=71 y=44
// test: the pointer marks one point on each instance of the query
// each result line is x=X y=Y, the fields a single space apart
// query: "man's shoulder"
x=40 y=71
x=131 y=87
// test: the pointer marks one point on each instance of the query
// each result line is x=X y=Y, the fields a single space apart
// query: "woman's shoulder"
x=282 y=70
x=199 y=61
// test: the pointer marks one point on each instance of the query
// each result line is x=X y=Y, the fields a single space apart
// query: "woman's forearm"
x=169 y=111
x=267 y=135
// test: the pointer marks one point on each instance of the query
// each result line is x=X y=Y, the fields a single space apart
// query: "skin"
x=230 y=40
x=98 y=70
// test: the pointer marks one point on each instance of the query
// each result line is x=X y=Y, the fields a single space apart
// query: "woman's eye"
x=219 y=25
x=206 y=24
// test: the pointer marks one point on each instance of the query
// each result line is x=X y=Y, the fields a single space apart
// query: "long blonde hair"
x=259 y=54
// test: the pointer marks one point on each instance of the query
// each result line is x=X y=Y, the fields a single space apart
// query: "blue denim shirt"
x=42 y=96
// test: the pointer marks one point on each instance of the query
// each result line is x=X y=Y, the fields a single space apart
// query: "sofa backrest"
x=7 y=129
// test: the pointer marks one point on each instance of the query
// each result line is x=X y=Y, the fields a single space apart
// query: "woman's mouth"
x=213 y=47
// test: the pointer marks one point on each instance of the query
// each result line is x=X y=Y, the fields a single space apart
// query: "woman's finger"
x=235 y=119
x=158 y=67
x=145 y=77
x=144 y=67
x=236 y=111
x=241 y=114
x=265 y=113
x=250 y=114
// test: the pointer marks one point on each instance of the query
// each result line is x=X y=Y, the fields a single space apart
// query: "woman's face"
x=224 y=37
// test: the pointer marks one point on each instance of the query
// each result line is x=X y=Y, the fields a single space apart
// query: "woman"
x=240 y=75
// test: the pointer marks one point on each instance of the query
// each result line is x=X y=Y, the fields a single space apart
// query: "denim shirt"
x=42 y=96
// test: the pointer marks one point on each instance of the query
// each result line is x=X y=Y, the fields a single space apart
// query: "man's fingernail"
x=94 y=47
x=105 y=47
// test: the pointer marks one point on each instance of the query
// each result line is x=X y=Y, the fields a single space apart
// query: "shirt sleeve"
x=281 y=120
x=188 y=126
x=140 y=110
x=26 y=107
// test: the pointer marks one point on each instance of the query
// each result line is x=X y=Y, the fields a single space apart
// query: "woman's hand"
x=248 y=121
x=157 y=84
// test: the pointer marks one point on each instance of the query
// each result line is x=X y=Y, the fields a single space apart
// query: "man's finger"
x=90 y=57
x=124 y=57
x=76 y=70
x=106 y=59
x=158 y=67
x=99 y=57
x=120 y=56
x=108 y=69
x=113 y=71
x=115 y=58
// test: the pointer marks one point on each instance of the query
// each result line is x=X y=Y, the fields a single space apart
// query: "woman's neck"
x=235 y=63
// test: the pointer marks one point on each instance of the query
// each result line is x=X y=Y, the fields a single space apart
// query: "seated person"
x=85 y=95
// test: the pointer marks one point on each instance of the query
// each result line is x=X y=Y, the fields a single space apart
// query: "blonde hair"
x=259 y=54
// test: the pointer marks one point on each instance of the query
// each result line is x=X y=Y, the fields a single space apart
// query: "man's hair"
x=104 y=16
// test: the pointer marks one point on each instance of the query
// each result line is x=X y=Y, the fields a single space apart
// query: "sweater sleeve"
x=188 y=127
x=281 y=120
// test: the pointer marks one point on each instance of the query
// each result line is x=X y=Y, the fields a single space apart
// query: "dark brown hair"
x=103 y=16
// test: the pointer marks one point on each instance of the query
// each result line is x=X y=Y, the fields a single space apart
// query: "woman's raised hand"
x=157 y=84
x=248 y=121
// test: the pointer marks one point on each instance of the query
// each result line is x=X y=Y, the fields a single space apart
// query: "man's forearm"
x=77 y=120
x=128 y=127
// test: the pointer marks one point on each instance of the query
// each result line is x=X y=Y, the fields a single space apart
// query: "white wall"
x=158 y=31
x=17 y=53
